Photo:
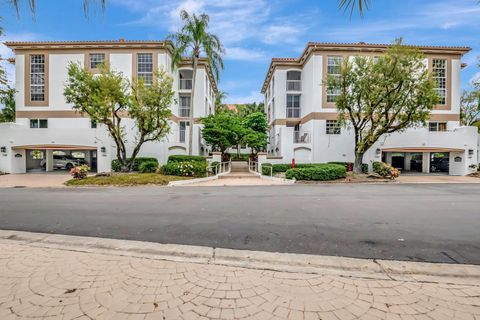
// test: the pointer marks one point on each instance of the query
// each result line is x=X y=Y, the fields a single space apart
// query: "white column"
x=408 y=161
x=426 y=162
x=49 y=160
x=388 y=157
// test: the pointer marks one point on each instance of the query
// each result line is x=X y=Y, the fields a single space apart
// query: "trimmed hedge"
x=148 y=167
x=283 y=167
x=181 y=158
x=364 y=166
x=185 y=168
x=323 y=172
x=136 y=164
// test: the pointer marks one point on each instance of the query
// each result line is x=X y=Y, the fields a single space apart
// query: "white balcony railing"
x=184 y=111
x=294 y=85
x=293 y=112
x=185 y=84
x=301 y=137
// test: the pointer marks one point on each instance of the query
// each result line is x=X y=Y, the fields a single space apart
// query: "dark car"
x=439 y=165
x=416 y=165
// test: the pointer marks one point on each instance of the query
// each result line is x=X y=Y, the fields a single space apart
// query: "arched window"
x=294 y=80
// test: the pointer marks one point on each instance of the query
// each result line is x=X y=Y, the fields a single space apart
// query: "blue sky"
x=254 y=31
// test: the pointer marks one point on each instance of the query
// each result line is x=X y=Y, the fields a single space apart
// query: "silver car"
x=63 y=162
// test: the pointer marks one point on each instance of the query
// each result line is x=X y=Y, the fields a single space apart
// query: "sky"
x=254 y=31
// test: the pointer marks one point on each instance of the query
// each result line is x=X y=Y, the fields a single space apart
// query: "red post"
x=348 y=167
x=293 y=163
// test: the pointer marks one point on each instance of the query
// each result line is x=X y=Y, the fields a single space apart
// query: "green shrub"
x=185 y=168
x=214 y=165
x=346 y=164
x=322 y=172
x=148 y=167
x=266 y=171
x=241 y=157
x=181 y=158
x=136 y=164
x=385 y=170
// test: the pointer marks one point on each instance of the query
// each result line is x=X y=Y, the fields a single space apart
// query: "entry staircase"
x=239 y=170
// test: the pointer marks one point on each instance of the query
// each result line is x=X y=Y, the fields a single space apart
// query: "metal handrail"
x=221 y=167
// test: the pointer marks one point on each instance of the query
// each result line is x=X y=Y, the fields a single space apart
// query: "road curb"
x=287 y=262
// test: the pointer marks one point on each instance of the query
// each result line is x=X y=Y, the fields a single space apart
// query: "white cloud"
x=475 y=78
x=284 y=33
x=254 y=96
x=239 y=53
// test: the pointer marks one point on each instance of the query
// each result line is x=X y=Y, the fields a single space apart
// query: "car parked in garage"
x=439 y=165
x=64 y=162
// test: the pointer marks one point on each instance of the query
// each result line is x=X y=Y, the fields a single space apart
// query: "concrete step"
x=239 y=175
x=239 y=166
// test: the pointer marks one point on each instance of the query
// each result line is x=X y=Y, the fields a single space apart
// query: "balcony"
x=185 y=84
x=184 y=111
x=293 y=112
x=294 y=85
x=301 y=137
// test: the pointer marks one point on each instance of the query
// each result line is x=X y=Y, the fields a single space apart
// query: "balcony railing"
x=293 y=112
x=185 y=84
x=184 y=111
x=301 y=137
x=294 y=85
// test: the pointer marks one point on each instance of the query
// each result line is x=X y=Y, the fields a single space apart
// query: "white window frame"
x=294 y=84
x=435 y=126
x=440 y=79
x=37 y=78
x=332 y=127
x=333 y=62
x=38 y=123
x=94 y=61
x=293 y=110
x=182 y=131
x=145 y=67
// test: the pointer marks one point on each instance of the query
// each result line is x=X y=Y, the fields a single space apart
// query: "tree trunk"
x=190 y=119
x=357 y=166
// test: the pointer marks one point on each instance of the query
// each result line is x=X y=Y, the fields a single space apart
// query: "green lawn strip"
x=125 y=179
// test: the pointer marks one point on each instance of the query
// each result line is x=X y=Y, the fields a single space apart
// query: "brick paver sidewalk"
x=47 y=283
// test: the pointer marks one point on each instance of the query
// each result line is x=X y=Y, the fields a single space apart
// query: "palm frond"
x=86 y=5
x=351 y=5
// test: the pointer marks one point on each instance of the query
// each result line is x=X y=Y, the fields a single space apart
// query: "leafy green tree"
x=219 y=101
x=192 y=40
x=7 y=99
x=222 y=130
x=383 y=96
x=248 y=108
x=470 y=107
x=108 y=97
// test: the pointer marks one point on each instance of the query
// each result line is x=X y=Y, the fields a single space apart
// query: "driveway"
x=419 y=222
x=34 y=180
x=431 y=178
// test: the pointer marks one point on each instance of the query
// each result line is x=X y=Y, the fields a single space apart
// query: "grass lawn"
x=125 y=179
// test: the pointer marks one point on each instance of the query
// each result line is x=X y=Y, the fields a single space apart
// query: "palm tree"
x=191 y=40
x=32 y=5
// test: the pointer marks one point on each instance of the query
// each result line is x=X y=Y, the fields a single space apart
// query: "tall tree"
x=384 y=95
x=192 y=40
x=7 y=99
x=108 y=97
x=470 y=107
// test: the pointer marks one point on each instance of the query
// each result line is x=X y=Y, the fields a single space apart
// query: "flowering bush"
x=80 y=172
x=385 y=170
x=185 y=168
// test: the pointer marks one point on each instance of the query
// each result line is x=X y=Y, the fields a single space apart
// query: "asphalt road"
x=423 y=222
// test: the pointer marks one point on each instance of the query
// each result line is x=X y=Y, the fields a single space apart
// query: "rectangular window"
x=184 y=109
x=439 y=72
x=334 y=67
x=145 y=67
x=37 y=77
x=333 y=127
x=437 y=126
x=182 y=126
x=38 y=123
x=96 y=59
x=93 y=124
x=293 y=106
x=294 y=81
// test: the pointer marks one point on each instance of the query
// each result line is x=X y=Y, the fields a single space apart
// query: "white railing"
x=293 y=112
x=184 y=111
x=220 y=167
x=301 y=137
x=185 y=84
x=294 y=85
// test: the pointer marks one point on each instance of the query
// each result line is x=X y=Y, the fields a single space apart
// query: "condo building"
x=303 y=123
x=48 y=133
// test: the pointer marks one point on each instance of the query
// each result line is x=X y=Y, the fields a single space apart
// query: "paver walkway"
x=48 y=283
x=34 y=180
